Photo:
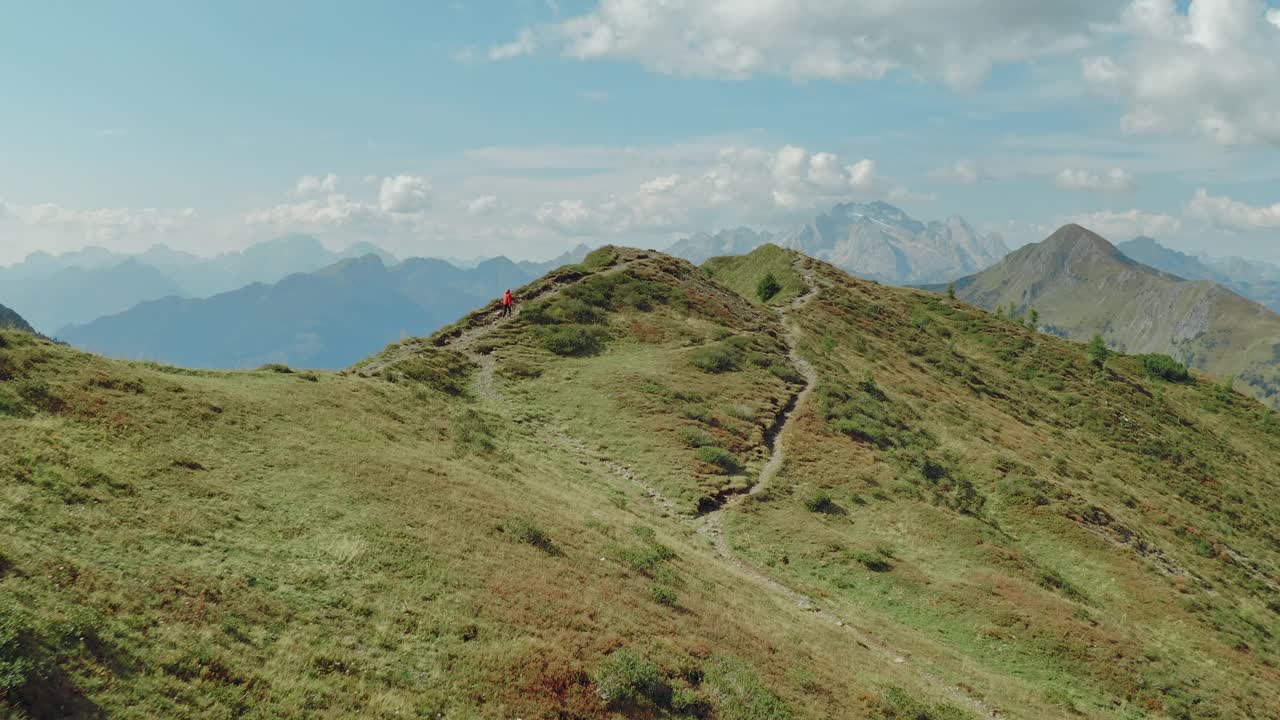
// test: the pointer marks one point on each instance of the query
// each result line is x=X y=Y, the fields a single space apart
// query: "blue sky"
x=471 y=128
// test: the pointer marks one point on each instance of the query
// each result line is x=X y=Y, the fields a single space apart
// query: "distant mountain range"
x=325 y=319
x=875 y=240
x=1257 y=281
x=57 y=291
x=1082 y=284
x=54 y=291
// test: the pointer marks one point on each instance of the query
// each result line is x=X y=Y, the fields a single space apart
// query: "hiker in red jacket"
x=507 y=302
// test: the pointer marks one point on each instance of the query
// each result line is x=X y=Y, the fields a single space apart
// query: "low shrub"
x=1052 y=580
x=663 y=595
x=715 y=359
x=626 y=678
x=574 y=340
x=821 y=502
x=721 y=458
x=873 y=561
x=522 y=530
x=276 y=368
x=644 y=559
x=695 y=437
x=1164 y=367
x=786 y=373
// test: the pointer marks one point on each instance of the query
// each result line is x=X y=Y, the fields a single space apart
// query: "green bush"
x=715 y=359
x=721 y=458
x=276 y=368
x=663 y=595
x=643 y=558
x=821 y=502
x=872 y=561
x=695 y=437
x=574 y=340
x=1162 y=366
x=625 y=678
x=786 y=373
x=1098 y=351
x=522 y=530
x=768 y=287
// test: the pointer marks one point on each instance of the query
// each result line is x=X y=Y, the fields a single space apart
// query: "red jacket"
x=506 y=298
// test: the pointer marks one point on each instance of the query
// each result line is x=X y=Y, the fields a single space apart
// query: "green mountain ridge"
x=10 y=320
x=1080 y=284
x=652 y=493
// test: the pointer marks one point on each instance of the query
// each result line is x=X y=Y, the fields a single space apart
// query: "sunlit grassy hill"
x=651 y=494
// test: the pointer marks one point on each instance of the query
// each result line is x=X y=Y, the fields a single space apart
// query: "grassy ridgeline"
x=994 y=517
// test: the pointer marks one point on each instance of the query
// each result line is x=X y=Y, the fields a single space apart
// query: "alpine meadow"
x=647 y=494
x=640 y=360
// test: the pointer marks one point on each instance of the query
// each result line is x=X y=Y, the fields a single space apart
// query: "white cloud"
x=955 y=41
x=524 y=44
x=404 y=194
x=1121 y=226
x=102 y=224
x=1115 y=180
x=309 y=185
x=402 y=199
x=483 y=205
x=1229 y=214
x=960 y=172
x=741 y=184
x=1210 y=72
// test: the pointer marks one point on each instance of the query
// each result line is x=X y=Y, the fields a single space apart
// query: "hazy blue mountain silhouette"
x=329 y=318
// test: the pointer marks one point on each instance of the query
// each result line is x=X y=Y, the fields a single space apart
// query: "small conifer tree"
x=768 y=287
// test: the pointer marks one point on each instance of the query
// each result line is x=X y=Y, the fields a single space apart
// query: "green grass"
x=746 y=274
x=961 y=492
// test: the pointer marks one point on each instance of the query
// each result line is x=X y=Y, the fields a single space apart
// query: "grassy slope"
x=269 y=544
x=214 y=544
x=1091 y=541
x=744 y=272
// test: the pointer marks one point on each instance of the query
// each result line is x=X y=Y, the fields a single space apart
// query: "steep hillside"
x=10 y=320
x=1255 y=281
x=325 y=319
x=876 y=241
x=645 y=495
x=1080 y=284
